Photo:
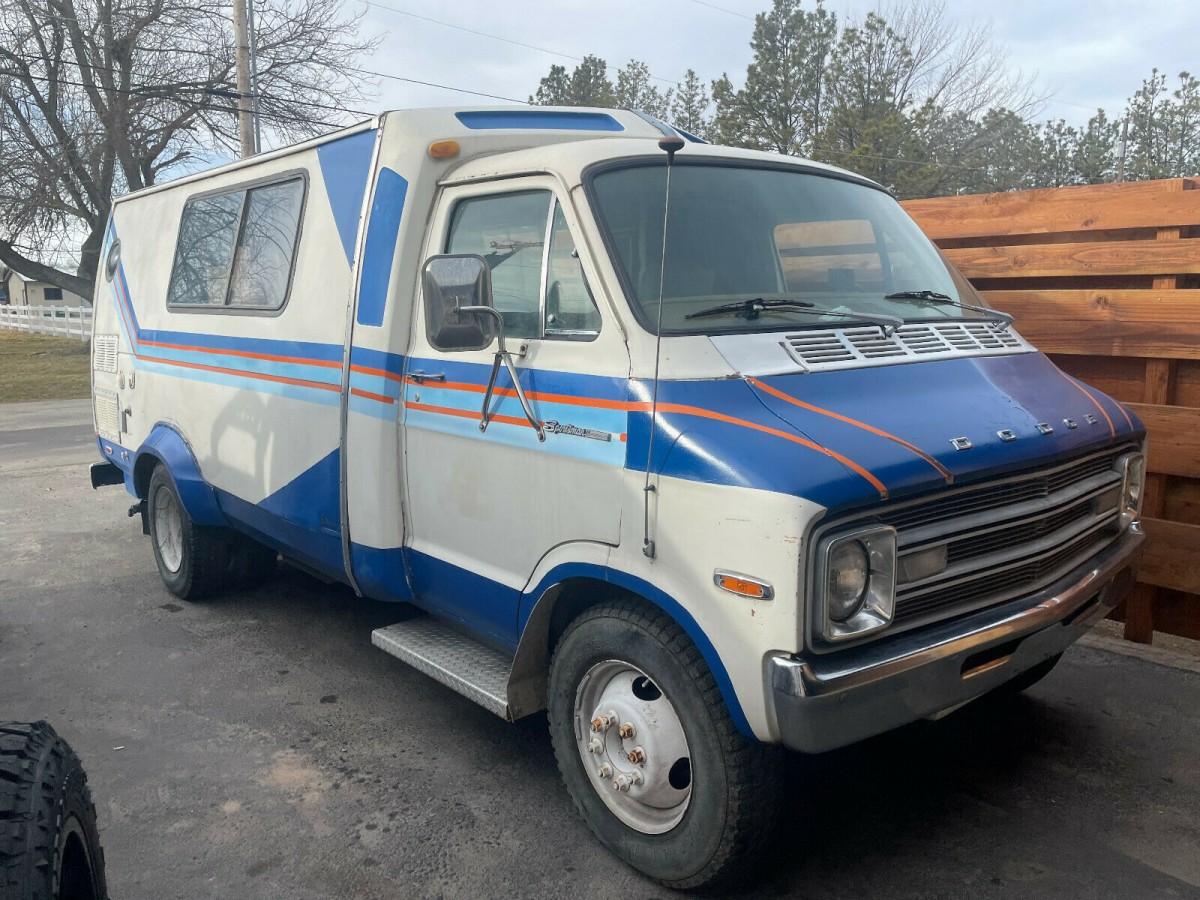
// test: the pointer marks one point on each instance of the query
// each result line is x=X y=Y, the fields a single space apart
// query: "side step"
x=477 y=671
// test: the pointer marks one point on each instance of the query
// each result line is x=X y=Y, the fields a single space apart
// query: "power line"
x=724 y=10
x=496 y=37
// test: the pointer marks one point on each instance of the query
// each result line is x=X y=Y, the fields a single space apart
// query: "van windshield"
x=737 y=235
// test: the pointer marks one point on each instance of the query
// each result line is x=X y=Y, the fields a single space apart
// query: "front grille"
x=1005 y=538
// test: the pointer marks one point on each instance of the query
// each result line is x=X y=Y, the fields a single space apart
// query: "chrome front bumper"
x=823 y=702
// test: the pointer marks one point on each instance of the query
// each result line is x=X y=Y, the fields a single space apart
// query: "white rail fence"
x=65 y=321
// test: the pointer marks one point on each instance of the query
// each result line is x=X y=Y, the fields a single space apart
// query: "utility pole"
x=241 y=50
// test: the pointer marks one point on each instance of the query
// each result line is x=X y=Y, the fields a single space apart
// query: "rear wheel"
x=49 y=846
x=194 y=561
x=649 y=752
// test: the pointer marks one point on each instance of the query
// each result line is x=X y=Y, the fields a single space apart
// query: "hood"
x=858 y=436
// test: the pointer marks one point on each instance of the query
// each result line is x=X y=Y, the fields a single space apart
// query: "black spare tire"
x=49 y=847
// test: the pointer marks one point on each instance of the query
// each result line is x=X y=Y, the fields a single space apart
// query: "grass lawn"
x=40 y=367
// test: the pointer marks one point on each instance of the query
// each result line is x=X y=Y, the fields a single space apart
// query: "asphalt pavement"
x=258 y=746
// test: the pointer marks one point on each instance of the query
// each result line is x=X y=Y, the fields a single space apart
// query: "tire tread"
x=753 y=768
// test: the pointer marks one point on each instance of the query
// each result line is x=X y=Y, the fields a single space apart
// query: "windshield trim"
x=660 y=159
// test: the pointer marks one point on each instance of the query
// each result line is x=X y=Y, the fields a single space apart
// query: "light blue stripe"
x=244 y=382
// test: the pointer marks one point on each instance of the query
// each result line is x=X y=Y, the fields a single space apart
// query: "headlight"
x=848 y=575
x=1132 y=481
x=857 y=579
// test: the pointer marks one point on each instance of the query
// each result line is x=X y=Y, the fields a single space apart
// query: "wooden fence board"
x=1104 y=278
x=1056 y=210
x=1169 y=560
x=1088 y=259
x=1174 y=439
x=1145 y=323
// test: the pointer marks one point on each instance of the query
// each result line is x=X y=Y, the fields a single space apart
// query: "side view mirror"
x=458 y=300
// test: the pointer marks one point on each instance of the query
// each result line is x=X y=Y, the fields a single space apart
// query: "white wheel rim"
x=168 y=529
x=633 y=747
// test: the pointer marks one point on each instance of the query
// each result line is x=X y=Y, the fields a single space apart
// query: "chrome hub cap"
x=168 y=529
x=632 y=744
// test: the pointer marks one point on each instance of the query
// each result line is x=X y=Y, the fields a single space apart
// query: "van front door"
x=487 y=505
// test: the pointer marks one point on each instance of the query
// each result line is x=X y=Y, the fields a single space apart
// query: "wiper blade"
x=752 y=309
x=934 y=298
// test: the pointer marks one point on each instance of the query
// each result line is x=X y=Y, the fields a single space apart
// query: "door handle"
x=422 y=377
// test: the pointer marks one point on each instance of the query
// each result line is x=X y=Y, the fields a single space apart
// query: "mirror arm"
x=503 y=356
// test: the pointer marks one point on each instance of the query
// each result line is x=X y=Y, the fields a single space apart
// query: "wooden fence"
x=1106 y=279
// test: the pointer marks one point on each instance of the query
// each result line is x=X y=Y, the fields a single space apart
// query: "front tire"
x=194 y=561
x=49 y=846
x=649 y=752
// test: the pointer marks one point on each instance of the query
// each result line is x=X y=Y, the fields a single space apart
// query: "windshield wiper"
x=934 y=298
x=752 y=309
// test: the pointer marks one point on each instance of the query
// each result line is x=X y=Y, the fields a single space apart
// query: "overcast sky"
x=1085 y=53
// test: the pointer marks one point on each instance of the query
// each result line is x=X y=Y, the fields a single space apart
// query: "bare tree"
x=101 y=98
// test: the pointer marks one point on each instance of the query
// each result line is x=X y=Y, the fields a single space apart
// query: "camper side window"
x=237 y=249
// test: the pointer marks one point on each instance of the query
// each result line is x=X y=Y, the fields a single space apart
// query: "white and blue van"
x=704 y=451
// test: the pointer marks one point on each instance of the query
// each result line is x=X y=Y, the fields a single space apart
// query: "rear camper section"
x=221 y=322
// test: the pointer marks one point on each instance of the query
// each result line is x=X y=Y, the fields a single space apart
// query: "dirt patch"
x=40 y=367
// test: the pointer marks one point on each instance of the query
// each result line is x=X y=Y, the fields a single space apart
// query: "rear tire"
x=49 y=846
x=705 y=800
x=194 y=561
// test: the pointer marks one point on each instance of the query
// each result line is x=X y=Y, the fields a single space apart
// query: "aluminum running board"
x=475 y=670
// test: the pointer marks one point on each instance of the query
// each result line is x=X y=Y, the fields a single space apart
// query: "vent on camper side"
x=108 y=420
x=105 y=350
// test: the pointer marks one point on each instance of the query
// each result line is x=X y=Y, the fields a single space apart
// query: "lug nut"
x=604 y=770
x=604 y=722
x=595 y=745
x=623 y=783
x=627 y=731
x=637 y=756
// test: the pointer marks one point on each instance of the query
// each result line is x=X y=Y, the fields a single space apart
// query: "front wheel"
x=649 y=752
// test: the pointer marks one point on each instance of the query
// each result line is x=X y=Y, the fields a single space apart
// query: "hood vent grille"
x=861 y=346
x=906 y=342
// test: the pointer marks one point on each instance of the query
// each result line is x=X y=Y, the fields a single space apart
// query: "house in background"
x=17 y=290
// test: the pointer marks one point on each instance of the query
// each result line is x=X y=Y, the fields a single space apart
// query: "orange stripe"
x=246 y=354
x=640 y=406
x=721 y=417
x=259 y=375
x=465 y=414
x=945 y=473
x=368 y=395
x=1125 y=413
x=381 y=373
x=1111 y=428
x=568 y=399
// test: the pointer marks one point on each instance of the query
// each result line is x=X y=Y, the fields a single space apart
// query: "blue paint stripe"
x=345 y=168
x=380 y=248
x=536 y=119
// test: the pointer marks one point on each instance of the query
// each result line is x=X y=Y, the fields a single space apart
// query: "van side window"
x=570 y=309
x=237 y=249
x=540 y=292
x=507 y=230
